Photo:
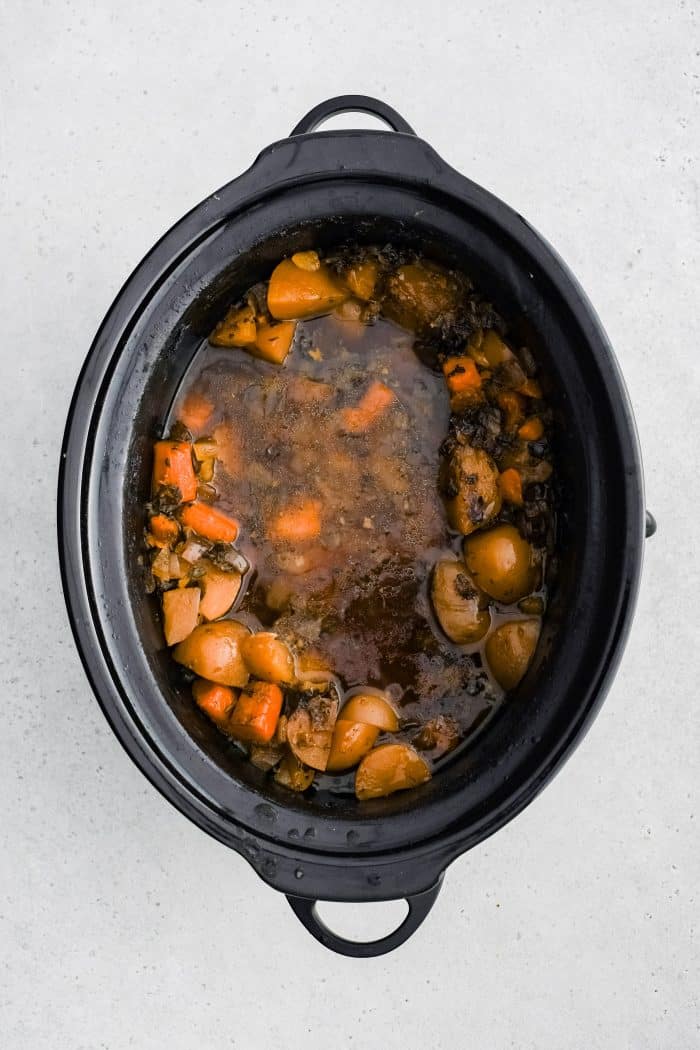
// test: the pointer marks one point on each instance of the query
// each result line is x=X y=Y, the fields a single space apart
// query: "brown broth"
x=358 y=595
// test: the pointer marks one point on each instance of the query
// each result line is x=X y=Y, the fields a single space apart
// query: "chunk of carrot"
x=257 y=711
x=532 y=429
x=164 y=529
x=172 y=465
x=195 y=412
x=461 y=374
x=511 y=485
x=369 y=409
x=210 y=523
x=513 y=408
x=300 y=521
x=215 y=700
x=295 y=292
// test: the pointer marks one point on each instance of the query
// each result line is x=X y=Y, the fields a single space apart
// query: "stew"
x=352 y=522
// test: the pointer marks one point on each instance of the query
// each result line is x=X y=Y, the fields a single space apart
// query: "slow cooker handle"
x=419 y=904
x=352 y=104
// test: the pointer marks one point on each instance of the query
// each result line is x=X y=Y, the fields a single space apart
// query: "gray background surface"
x=121 y=925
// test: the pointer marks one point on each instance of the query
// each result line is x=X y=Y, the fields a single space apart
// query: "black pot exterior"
x=318 y=190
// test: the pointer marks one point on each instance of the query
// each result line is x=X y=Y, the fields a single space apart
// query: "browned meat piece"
x=420 y=296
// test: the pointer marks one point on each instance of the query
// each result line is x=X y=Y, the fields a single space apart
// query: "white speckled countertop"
x=121 y=924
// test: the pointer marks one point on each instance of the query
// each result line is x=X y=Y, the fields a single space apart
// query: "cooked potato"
x=372 y=710
x=168 y=566
x=267 y=657
x=458 y=604
x=313 y=668
x=295 y=292
x=307 y=260
x=510 y=649
x=213 y=651
x=419 y=296
x=219 y=591
x=532 y=605
x=473 y=495
x=292 y=773
x=362 y=278
x=310 y=730
x=351 y=742
x=502 y=563
x=180 y=613
x=273 y=341
x=390 y=768
x=236 y=329
x=488 y=349
x=207 y=469
x=204 y=450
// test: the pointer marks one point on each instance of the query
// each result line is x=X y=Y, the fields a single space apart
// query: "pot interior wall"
x=154 y=357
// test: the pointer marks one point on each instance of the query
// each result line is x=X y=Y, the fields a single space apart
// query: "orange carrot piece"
x=371 y=406
x=164 y=529
x=210 y=523
x=195 y=412
x=532 y=429
x=461 y=374
x=513 y=407
x=255 y=716
x=172 y=465
x=530 y=388
x=301 y=521
x=511 y=486
x=215 y=700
